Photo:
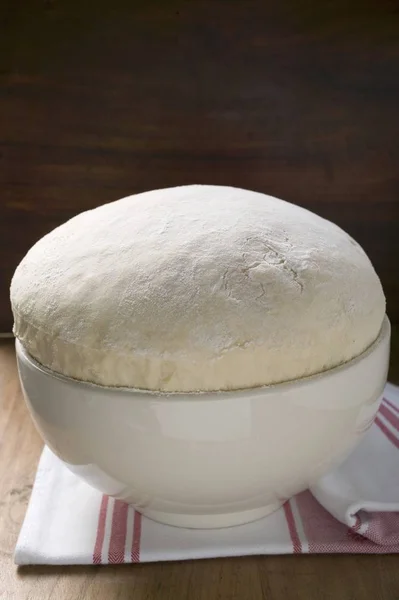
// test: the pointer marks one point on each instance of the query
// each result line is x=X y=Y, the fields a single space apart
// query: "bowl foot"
x=209 y=521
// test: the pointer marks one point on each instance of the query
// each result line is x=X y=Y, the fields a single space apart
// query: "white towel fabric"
x=354 y=508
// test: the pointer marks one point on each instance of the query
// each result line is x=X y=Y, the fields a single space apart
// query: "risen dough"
x=196 y=288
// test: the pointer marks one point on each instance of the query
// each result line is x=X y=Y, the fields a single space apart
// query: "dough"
x=196 y=288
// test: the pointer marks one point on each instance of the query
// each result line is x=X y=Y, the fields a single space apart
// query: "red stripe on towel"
x=392 y=405
x=135 y=555
x=98 y=546
x=390 y=417
x=116 y=551
x=388 y=434
x=289 y=515
x=324 y=533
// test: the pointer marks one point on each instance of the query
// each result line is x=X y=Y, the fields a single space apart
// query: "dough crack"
x=273 y=256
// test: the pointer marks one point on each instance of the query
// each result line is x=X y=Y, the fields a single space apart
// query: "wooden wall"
x=298 y=99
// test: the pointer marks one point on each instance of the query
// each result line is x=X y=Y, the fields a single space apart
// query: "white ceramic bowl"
x=213 y=459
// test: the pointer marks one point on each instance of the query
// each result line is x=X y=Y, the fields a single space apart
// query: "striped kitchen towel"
x=354 y=508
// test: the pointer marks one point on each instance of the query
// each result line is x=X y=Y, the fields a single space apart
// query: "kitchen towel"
x=353 y=509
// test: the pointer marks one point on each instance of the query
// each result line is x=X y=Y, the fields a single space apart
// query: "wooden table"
x=254 y=578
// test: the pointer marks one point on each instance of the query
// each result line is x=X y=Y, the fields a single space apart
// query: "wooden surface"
x=255 y=578
x=294 y=98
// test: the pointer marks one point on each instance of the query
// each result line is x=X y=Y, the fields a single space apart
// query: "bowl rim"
x=383 y=335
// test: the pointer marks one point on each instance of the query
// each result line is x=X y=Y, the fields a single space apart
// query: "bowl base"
x=209 y=521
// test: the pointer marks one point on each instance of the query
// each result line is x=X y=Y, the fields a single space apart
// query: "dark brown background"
x=299 y=99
